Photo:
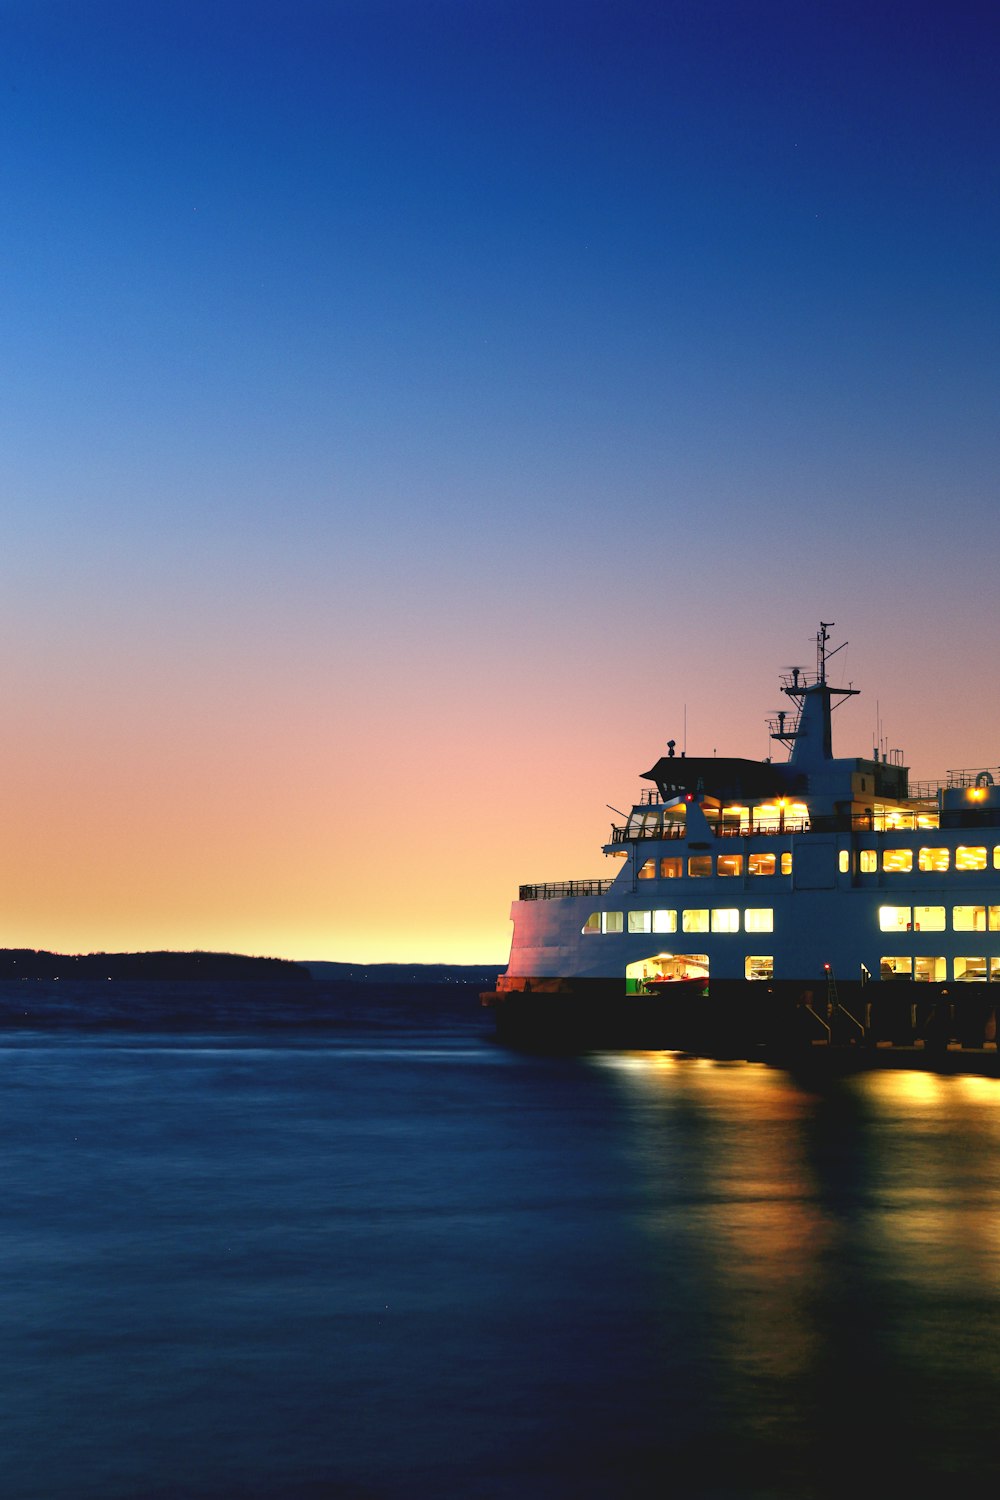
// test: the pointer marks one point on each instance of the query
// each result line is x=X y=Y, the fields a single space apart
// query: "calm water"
x=390 y=1258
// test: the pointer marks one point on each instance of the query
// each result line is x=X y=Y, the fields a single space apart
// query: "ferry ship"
x=814 y=899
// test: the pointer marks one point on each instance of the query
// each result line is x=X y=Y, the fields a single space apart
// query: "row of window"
x=693 y=919
x=671 y=867
x=894 y=861
x=932 y=918
x=930 y=861
x=935 y=970
x=761 y=919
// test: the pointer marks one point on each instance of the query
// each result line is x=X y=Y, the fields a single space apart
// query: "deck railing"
x=727 y=831
x=555 y=888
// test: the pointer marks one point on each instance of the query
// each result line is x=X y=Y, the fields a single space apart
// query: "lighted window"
x=895 y=918
x=664 y=921
x=970 y=970
x=868 y=861
x=970 y=857
x=695 y=919
x=593 y=922
x=968 y=918
x=611 y=921
x=725 y=919
x=895 y=967
x=786 y=862
x=761 y=864
x=730 y=864
x=891 y=819
x=996 y=856
x=759 y=966
x=995 y=970
x=758 y=919
x=929 y=970
x=934 y=860
x=670 y=868
x=928 y=919
x=994 y=921
x=897 y=860
x=700 y=864
x=648 y=871
x=640 y=921
x=845 y=861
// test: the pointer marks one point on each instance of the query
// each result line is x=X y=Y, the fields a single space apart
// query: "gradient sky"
x=415 y=412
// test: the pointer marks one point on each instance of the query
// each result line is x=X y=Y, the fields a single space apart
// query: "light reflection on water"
x=410 y=1265
x=848 y=1251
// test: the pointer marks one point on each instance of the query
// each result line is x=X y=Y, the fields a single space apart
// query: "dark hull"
x=881 y=1024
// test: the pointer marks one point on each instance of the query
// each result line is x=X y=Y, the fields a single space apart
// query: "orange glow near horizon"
x=389 y=818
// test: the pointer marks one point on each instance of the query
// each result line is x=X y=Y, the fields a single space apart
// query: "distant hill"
x=30 y=963
x=472 y=974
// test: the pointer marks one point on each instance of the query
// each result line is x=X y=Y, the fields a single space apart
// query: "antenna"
x=825 y=626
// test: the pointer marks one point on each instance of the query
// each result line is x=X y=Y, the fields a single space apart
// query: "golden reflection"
x=776 y=1191
x=750 y=1205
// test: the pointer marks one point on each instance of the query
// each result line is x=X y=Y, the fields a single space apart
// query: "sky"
x=416 y=412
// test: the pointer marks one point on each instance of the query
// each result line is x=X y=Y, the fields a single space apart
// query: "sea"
x=359 y=1249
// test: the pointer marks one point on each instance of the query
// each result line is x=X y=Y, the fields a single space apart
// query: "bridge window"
x=761 y=864
x=695 y=919
x=970 y=858
x=970 y=970
x=895 y=918
x=730 y=864
x=593 y=923
x=868 y=861
x=845 y=861
x=928 y=919
x=640 y=921
x=700 y=864
x=670 y=867
x=759 y=966
x=929 y=970
x=897 y=860
x=648 y=870
x=611 y=921
x=895 y=967
x=759 y=919
x=933 y=860
x=664 y=921
x=786 y=862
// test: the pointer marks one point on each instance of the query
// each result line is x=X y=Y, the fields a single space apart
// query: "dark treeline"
x=29 y=963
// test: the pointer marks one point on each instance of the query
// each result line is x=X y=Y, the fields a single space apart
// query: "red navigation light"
x=826 y=966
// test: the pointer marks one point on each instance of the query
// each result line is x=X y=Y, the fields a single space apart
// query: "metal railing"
x=552 y=889
x=727 y=831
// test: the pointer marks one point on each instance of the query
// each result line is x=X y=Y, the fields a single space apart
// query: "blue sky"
x=479 y=382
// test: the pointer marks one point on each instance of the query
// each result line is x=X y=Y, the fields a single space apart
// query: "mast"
x=810 y=736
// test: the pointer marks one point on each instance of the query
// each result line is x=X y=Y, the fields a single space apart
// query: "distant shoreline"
x=30 y=963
